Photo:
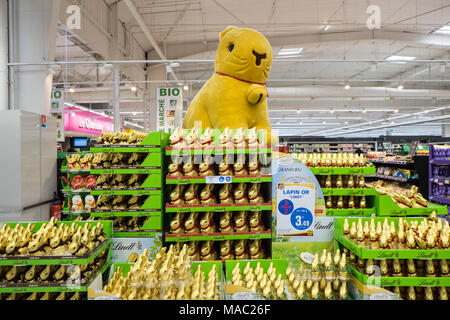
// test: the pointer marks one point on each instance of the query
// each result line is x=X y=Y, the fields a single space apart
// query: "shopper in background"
x=359 y=151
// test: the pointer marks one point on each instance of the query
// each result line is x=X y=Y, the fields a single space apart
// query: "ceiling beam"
x=147 y=32
x=177 y=50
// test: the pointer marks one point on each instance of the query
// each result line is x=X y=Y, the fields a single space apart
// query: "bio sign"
x=295 y=208
x=169 y=100
x=57 y=101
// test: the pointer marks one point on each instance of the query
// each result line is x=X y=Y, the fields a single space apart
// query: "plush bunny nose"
x=259 y=57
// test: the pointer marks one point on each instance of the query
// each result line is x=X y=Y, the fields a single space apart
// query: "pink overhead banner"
x=86 y=122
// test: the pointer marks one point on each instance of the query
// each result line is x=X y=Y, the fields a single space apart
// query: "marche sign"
x=169 y=99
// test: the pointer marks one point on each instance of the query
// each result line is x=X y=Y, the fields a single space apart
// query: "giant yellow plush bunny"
x=236 y=95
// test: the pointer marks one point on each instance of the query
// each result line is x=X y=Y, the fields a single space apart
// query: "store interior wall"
x=28 y=170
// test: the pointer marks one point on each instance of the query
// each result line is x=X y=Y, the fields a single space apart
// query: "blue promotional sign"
x=295 y=208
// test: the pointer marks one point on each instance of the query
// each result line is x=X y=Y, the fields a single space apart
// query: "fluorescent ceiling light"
x=335 y=110
x=382 y=120
x=400 y=59
x=326 y=27
x=86 y=109
x=133 y=124
x=133 y=88
x=290 y=52
x=443 y=29
x=393 y=58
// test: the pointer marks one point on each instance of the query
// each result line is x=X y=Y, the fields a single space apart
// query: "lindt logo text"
x=120 y=246
x=383 y=254
x=319 y=225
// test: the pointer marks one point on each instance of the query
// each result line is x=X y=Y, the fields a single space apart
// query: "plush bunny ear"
x=224 y=32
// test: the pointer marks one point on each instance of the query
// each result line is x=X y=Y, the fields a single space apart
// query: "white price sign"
x=219 y=179
x=295 y=209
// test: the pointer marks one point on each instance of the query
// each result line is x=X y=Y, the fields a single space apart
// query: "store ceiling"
x=189 y=30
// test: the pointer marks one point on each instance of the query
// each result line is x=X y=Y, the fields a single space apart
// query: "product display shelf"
x=58 y=260
x=150 y=212
x=67 y=211
x=342 y=170
x=205 y=265
x=264 y=179
x=348 y=191
x=395 y=162
x=151 y=161
x=412 y=171
x=368 y=192
x=75 y=171
x=440 y=180
x=217 y=150
x=220 y=180
x=219 y=207
x=439 y=173
x=233 y=292
x=399 y=179
x=67 y=188
x=126 y=192
x=280 y=264
x=67 y=286
x=351 y=212
x=441 y=162
x=63 y=287
x=400 y=281
x=151 y=206
x=388 y=207
x=365 y=253
x=440 y=199
x=217 y=236
x=151 y=144
x=64 y=164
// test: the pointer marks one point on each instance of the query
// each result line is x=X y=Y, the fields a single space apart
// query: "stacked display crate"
x=409 y=267
x=47 y=276
x=137 y=226
x=356 y=191
x=439 y=173
x=218 y=209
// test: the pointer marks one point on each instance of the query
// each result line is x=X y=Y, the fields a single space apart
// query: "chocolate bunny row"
x=241 y=194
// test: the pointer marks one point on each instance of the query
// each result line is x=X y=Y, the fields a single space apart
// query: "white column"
x=4 y=101
x=156 y=72
x=445 y=127
x=116 y=101
x=33 y=39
